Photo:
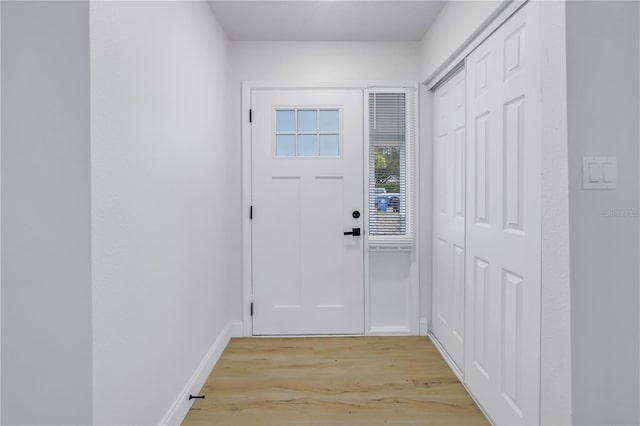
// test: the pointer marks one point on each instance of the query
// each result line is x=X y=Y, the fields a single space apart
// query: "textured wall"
x=161 y=185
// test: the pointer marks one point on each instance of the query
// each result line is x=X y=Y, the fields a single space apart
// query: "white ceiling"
x=326 y=20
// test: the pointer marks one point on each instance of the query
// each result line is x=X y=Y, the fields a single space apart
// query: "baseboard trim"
x=237 y=328
x=181 y=405
x=424 y=327
x=456 y=370
x=389 y=331
x=459 y=374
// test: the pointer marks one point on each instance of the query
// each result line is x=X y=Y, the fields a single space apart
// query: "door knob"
x=354 y=231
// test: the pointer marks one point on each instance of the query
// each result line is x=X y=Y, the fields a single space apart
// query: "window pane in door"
x=285 y=145
x=285 y=121
x=307 y=120
x=329 y=121
x=307 y=145
x=329 y=146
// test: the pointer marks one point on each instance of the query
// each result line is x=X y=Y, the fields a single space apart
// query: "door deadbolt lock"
x=355 y=214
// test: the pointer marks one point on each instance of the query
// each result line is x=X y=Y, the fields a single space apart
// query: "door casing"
x=245 y=329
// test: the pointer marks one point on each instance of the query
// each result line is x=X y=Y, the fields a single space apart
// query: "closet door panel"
x=502 y=285
x=449 y=214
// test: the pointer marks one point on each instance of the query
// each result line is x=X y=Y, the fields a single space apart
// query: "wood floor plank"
x=324 y=381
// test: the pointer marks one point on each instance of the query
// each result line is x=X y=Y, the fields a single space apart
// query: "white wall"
x=324 y=61
x=332 y=62
x=165 y=187
x=603 y=69
x=0 y=217
x=456 y=23
x=555 y=359
x=46 y=251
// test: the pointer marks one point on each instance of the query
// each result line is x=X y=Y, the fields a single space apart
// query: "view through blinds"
x=391 y=169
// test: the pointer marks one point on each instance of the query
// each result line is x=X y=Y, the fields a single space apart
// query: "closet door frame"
x=555 y=351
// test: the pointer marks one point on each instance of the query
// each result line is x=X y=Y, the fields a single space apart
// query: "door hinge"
x=250 y=115
x=251 y=309
x=250 y=212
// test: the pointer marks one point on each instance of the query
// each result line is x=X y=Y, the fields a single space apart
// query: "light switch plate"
x=599 y=172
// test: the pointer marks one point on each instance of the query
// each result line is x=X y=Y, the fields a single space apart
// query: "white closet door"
x=502 y=347
x=448 y=245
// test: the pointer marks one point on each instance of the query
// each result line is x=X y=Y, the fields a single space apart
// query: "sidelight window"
x=392 y=134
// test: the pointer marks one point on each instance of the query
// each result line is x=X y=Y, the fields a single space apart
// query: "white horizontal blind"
x=392 y=137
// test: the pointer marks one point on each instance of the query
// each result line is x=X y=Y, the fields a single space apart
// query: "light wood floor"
x=333 y=381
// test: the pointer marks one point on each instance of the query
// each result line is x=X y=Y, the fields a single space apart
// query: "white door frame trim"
x=247 y=270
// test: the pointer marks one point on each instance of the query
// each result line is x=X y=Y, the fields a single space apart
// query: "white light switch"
x=599 y=172
x=595 y=172
x=609 y=172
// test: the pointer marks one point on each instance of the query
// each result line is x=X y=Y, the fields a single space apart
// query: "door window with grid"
x=307 y=132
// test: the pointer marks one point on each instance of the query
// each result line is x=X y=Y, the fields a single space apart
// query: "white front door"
x=502 y=339
x=307 y=191
x=449 y=216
